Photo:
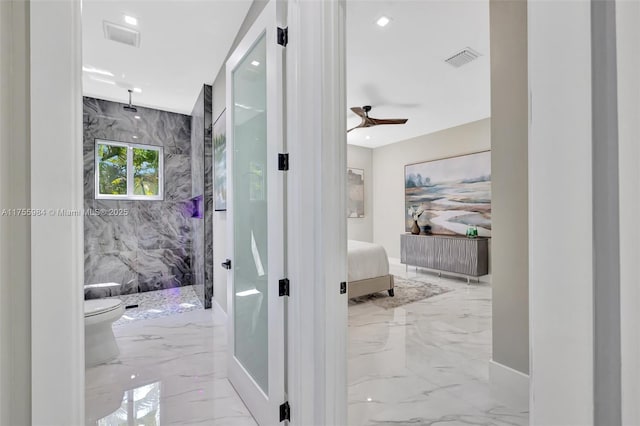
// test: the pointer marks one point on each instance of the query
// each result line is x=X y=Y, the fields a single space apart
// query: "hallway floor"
x=173 y=369
x=427 y=362
x=424 y=363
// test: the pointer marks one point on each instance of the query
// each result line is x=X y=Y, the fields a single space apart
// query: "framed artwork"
x=220 y=162
x=355 y=191
x=452 y=194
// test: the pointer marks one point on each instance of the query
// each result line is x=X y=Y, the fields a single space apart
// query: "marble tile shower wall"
x=197 y=188
x=202 y=185
x=208 y=195
x=150 y=247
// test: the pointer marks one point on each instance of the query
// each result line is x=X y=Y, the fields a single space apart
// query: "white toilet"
x=99 y=342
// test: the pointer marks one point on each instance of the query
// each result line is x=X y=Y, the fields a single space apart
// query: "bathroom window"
x=126 y=171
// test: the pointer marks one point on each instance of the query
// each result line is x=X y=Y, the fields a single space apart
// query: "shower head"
x=130 y=107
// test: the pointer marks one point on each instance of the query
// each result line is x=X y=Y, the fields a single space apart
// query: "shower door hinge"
x=285 y=412
x=343 y=287
x=283 y=162
x=283 y=287
x=283 y=36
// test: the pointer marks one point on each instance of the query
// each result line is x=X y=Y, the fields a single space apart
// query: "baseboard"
x=509 y=385
x=217 y=308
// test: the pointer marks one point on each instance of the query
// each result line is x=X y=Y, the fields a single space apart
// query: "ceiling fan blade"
x=368 y=121
x=359 y=126
x=359 y=111
x=381 y=121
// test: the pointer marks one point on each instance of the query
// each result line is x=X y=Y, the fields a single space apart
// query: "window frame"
x=130 y=172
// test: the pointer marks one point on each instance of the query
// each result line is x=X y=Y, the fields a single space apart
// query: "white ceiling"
x=400 y=69
x=183 y=44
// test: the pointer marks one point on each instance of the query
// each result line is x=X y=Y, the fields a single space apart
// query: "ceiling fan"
x=370 y=122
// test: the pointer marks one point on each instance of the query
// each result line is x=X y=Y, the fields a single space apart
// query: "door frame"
x=317 y=221
x=57 y=243
x=264 y=406
x=628 y=46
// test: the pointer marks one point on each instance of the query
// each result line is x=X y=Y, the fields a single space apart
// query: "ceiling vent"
x=463 y=57
x=121 y=34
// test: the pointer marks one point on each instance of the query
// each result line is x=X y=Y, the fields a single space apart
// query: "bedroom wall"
x=15 y=192
x=388 y=179
x=510 y=235
x=361 y=229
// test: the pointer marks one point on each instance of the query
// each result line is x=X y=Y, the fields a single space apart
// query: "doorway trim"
x=57 y=258
x=317 y=220
x=628 y=67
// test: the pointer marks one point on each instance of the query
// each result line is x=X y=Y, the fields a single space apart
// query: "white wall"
x=509 y=204
x=560 y=214
x=15 y=280
x=628 y=39
x=361 y=229
x=388 y=175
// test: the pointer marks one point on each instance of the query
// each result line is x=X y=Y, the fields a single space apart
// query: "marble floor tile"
x=426 y=363
x=159 y=303
x=171 y=371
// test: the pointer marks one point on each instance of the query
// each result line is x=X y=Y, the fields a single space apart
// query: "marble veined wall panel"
x=202 y=185
x=208 y=196
x=197 y=189
x=148 y=245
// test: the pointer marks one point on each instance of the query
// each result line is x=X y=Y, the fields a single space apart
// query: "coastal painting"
x=454 y=193
x=220 y=163
x=355 y=192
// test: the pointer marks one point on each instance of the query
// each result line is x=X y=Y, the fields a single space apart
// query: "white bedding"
x=366 y=260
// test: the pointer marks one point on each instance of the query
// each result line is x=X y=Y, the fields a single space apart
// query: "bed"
x=368 y=267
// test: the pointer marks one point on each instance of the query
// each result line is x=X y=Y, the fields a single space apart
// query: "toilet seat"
x=95 y=307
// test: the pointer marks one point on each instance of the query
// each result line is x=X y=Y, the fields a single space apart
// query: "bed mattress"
x=366 y=260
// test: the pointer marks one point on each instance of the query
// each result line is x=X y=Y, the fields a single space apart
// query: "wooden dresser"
x=447 y=253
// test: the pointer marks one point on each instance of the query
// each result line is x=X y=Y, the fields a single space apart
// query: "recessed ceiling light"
x=255 y=63
x=137 y=117
x=137 y=90
x=94 y=70
x=383 y=21
x=135 y=137
x=130 y=20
